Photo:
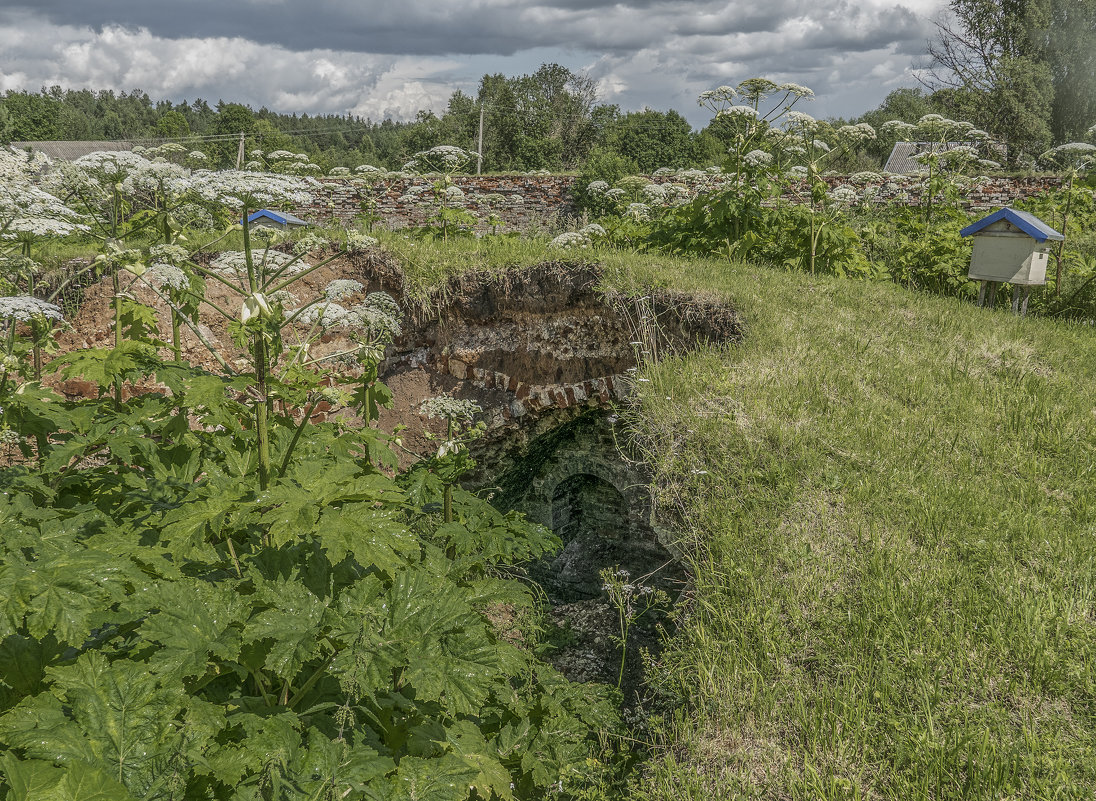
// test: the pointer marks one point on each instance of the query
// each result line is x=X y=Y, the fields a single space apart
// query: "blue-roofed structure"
x=275 y=219
x=1010 y=247
x=1021 y=220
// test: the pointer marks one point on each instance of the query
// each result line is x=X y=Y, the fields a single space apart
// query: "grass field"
x=888 y=502
x=886 y=499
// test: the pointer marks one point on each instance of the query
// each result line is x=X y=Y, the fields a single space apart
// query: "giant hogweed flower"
x=234 y=263
x=18 y=166
x=238 y=189
x=24 y=308
x=443 y=158
x=444 y=407
x=30 y=210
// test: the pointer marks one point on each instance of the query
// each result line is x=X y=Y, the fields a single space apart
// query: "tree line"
x=1023 y=70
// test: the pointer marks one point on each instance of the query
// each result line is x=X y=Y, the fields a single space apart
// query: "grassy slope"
x=889 y=501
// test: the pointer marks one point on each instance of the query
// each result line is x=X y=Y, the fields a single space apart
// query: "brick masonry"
x=532 y=201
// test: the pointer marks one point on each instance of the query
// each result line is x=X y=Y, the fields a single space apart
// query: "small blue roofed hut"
x=275 y=219
x=1010 y=246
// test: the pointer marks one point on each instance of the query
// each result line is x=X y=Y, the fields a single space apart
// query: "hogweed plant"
x=255 y=607
x=449 y=216
x=452 y=459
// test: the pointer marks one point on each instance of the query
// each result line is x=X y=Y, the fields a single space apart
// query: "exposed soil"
x=540 y=349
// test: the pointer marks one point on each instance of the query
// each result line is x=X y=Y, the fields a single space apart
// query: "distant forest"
x=549 y=120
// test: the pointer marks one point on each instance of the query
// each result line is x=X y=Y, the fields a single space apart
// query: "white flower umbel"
x=593 y=231
x=758 y=158
x=324 y=314
x=19 y=166
x=175 y=254
x=342 y=288
x=743 y=112
x=163 y=274
x=356 y=240
x=24 y=308
x=252 y=190
x=28 y=209
x=233 y=262
x=570 y=241
x=443 y=407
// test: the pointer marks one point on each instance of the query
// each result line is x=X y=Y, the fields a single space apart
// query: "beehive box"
x=1012 y=247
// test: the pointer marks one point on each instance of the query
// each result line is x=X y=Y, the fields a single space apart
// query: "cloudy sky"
x=390 y=58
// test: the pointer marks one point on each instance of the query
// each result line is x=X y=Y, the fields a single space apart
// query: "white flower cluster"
x=856 y=134
x=742 y=112
x=175 y=254
x=24 y=308
x=28 y=209
x=796 y=89
x=377 y=316
x=163 y=274
x=238 y=189
x=758 y=158
x=444 y=407
x=454 y=194
x=443 y=158
x=339 y=172
x=21 y=166
x=865 y=177
x=342 y=288
x=309 y=242
x=367 y=169
x=356 y=240
x=799 y=120
x=9 y=437
x=234 y=263
x=570 y=240
x=843 y=194
x=597 y=187
x=593 y=231
x=638 y=211
x=653 y=193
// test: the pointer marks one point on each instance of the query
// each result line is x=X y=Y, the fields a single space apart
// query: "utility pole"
x=479 y=145
x=240 y=152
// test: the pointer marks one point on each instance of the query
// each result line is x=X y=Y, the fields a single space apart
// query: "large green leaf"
x=294 y=625
x=111 y=715
x=194 y=622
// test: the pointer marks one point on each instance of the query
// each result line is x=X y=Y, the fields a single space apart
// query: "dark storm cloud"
x=393 y=58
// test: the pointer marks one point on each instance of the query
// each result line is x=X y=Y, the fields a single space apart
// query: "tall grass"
x=888 y=502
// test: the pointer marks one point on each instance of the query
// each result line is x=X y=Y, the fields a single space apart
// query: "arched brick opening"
x=587 y=505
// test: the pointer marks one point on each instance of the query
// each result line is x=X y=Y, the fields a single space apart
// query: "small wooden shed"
x=1010 y=246
x=275 y=219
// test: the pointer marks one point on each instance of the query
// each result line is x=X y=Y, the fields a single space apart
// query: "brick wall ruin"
x=532 y=201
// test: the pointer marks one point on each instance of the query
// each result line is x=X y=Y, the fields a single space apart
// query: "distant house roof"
x=901 y=160
x=280 y=217
x=1028 y=223
x=70 y=151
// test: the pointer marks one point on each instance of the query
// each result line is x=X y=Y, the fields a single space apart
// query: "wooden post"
x=982 y=293
x=1027 y=296
x=992 y=293
x=1016 y=299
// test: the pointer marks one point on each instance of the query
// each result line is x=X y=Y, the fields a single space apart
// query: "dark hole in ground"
x=571 y=477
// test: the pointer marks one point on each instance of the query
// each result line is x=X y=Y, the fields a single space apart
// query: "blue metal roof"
x=280 y=217
x=1026 y=222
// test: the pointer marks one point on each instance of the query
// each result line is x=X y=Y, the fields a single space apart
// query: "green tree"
x=232 y=120
x=33 y=116
x=1022 y=69
x=172 y=125
x=653 y=139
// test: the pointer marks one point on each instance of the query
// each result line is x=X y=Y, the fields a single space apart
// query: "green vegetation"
x=888 y=513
